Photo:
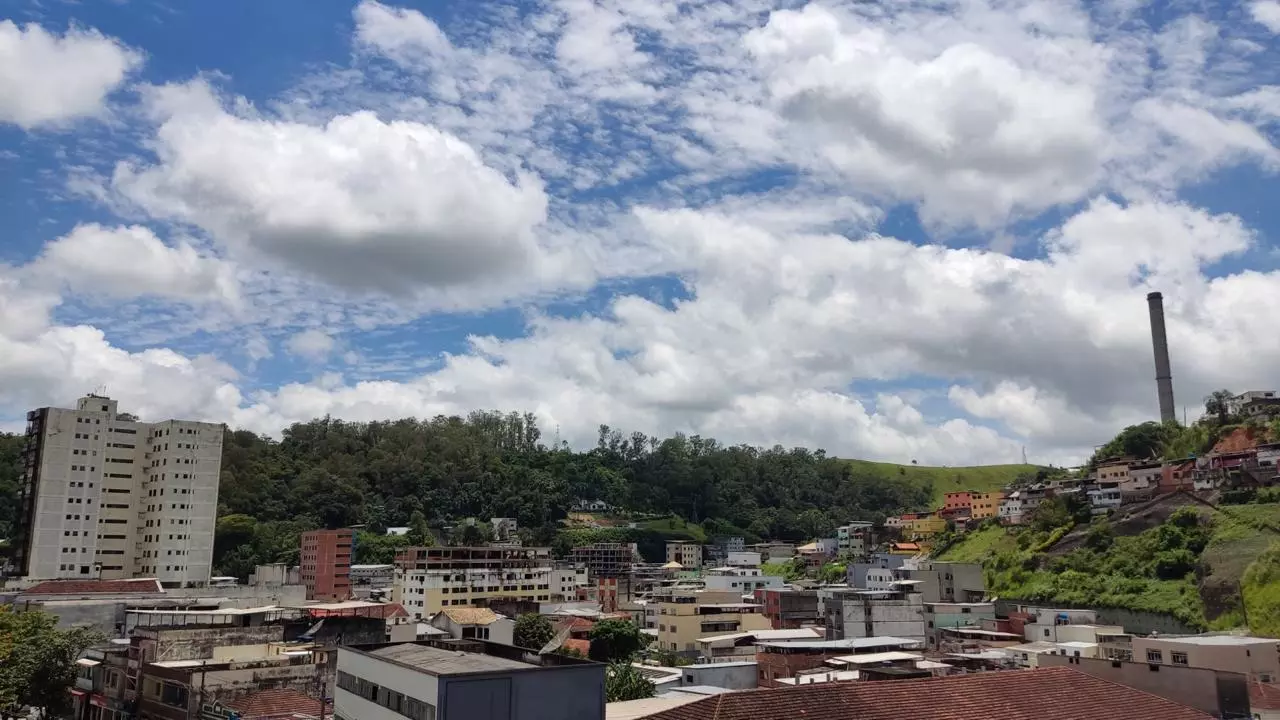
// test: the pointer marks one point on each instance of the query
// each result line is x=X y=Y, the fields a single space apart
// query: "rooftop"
x=870 y=658
x=635 y=709
x=1043 y=694
x=276 y=703
x=1219 y=640
x=471 y=616
x=438 y=661
x=95 y=587
x=766 y=635
x=849 y=644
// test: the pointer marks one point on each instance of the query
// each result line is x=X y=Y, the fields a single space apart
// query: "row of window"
x=1157 y=656
x=396 y=702
x=78 y=451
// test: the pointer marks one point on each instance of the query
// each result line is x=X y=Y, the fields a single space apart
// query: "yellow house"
x=925 y=526
x=985 y=505
x=682 y=620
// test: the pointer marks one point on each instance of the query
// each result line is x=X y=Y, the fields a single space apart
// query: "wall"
x=1206 y=690
x=417 y=685
x=198 y=644
x=733 y=676
x=1260 y=661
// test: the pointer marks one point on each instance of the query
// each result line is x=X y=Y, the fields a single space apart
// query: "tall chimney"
x=1160 y=344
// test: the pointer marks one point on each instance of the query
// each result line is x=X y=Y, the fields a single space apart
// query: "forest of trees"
x=331 y=473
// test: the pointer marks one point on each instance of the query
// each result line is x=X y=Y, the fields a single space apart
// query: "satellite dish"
x=554 y=643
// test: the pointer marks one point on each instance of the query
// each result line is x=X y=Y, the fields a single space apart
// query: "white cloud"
x=311 y=344
x=128 y=262
x=362 y=203
x=47 y=78
x=1266 y=12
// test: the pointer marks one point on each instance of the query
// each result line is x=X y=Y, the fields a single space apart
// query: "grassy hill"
x=980 y=478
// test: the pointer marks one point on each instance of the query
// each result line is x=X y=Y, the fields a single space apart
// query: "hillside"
x=1175 y=555
x=942 y=480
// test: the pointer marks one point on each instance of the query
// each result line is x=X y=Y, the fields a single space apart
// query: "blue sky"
x=917 y=230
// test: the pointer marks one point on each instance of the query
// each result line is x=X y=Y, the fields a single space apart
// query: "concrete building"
x=789 y=608
x=475 y=624
x=325 y=561
x=505 y=530
x=689 y=555
x=939 y=616
x=567 y=580
x=368 y=577
x=429 y=579
x=773 y=551
x=1012 y=508
x=849 y=613
x=853 y=539
x=730 y=675
x=741 y=580
x=605 y=560
x=468 y=680
x=959 y=502
x=105 y=496
x=685 y=615
x=743 y=559
x=742 y=646
x=1221 y=694
x=985 y=504
x=946 y=581
x=1256 y=658
x=777 y=660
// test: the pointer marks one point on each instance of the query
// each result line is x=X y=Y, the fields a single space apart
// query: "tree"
x=832 y=573
x=1218 y=404
x=37 y=660
x=419 y=534
x=615 y=641
x=623 y=681
x=533 y=631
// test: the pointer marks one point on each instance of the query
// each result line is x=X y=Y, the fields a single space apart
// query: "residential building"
x=106 y=496
x=475 y=624
x=1256 y=658
x=727 y=675
x=325 y=562
x=947 y=581
x=688 y=555
x=849 y=613
x=275 y=704
x=1012 y=508
x=778 y=660
x=567 y=579
x=959 y=502
x=369 y=577
x=742 y=645
x=1049 y=694
x=429 y=579
x=743 y=559
x=739 y=579
x=854 y=539
x=789 y=608
x=686 y=615
x=605 y=560
x=1114 y=470
x=1220 y=694
x=505 y=531
x=464 y=680
x=924 y=525
x=939 y=616
x=1177 y=475
x=1106 y=496
x=1239 y=404
x=774 y=551
x=985 y=504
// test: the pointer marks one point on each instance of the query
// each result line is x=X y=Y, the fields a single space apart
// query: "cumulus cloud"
x=311 y=344
x=1266 y=12
x=128 y=262
x=359 y=202
x=46 y=78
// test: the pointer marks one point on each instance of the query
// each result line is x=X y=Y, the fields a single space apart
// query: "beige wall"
x=1260 y=661
x=680 y=625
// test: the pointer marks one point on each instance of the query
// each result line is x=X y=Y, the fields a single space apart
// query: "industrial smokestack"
x=1160 y=344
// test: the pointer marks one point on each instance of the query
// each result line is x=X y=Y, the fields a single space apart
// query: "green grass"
x=1244 y=553
x=675 y=528
x=980 y=478
x=975 y=546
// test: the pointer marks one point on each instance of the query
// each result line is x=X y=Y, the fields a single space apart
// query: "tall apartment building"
x=429 y=579
x=325 y=562
x=688 y=555
x=105 y=496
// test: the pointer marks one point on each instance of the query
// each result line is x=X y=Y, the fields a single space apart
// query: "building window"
x=1155 y=656
x=1178 y=658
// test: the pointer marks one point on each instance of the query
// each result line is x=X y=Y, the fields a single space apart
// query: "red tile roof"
x=272 y=704
x=1044 y=694
x=95 y=587
x=1264 y=697
x=582 y=646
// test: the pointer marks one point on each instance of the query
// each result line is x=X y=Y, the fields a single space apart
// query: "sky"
x=920 y=230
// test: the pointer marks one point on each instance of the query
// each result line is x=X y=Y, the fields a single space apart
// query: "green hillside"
x=1181 y=557
x=942 y=480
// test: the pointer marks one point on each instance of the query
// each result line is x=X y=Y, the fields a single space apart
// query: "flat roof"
x=698 y=666
x=636 y=709
x=438 y=661
x=785 y=634
x=868 y=658
x=983 y=633
x=1219 y=640
x=222 y=611
x=848 y=644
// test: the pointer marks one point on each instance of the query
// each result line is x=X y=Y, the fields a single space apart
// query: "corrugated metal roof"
x=438 y=661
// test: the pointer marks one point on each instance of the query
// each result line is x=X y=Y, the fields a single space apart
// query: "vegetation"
x=533 y=631
x=10 y=446
x=624 y=681
x=615 y=640
x=428 y=474
x=37 y=661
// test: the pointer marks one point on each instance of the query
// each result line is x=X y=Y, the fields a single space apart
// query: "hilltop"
x=942 y=480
